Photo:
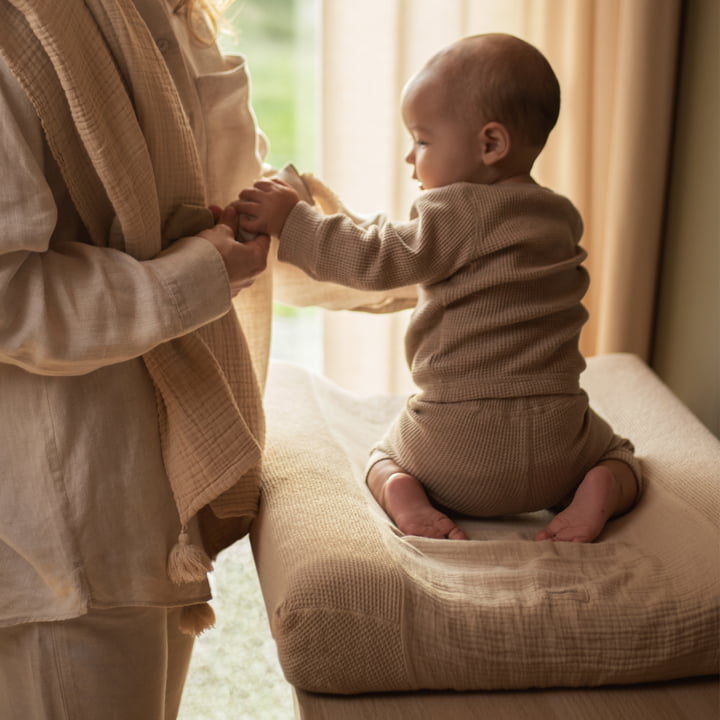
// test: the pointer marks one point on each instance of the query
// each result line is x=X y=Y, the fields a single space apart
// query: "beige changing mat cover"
x=356 y=607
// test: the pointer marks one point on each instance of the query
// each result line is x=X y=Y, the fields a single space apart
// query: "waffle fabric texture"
x=356 y=607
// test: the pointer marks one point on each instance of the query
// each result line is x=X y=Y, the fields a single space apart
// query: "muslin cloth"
x=115 y=126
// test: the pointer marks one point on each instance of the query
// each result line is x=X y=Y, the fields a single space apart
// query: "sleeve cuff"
x=194 y=277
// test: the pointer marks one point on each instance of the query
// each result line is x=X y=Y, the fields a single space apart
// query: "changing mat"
x=356 y=607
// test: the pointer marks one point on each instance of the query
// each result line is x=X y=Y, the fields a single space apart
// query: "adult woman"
x=129 y=401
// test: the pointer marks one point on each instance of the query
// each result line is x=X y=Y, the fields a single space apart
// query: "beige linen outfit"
x=87 y=515
x=499 y=424
x=93 y=496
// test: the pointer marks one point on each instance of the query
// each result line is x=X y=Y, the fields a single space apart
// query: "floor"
x=234 y=672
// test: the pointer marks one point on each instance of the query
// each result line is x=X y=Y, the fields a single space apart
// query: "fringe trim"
x=195 y=619
x=187 y=563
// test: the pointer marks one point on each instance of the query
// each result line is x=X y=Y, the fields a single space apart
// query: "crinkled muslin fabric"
x=124 y=369
x=147 y=183
x=94 y=283
x=356 y=607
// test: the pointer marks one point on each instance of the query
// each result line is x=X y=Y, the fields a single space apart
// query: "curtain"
x=616 y=62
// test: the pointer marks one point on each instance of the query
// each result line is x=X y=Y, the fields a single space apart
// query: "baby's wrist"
x=285 y=214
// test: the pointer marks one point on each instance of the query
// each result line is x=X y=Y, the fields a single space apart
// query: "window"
x=279 y=39
x=234 y=670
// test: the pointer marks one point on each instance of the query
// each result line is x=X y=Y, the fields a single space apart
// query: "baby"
x=499 y=424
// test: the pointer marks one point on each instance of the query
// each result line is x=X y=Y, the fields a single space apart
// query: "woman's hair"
x=201 y=16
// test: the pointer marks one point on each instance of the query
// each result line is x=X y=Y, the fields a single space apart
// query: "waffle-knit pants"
x=502 y=456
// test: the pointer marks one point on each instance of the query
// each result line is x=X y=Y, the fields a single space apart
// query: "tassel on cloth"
x=187 y=563
x=195 y=619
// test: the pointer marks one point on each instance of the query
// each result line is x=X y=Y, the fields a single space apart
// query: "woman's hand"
x=244 y=261
x=265 y=206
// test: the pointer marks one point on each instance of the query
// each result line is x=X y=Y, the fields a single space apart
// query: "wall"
x=686 y=353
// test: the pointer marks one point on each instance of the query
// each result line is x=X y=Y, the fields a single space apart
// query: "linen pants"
x=118 y=664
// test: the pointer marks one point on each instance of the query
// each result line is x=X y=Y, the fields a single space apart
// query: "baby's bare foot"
x=596 y=500
x=405 y=501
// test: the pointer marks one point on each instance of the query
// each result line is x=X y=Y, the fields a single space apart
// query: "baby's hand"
x=264 y=208
x=244 y=261
x=225 y=216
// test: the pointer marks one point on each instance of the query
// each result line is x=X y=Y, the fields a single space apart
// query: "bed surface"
x=691 y=699
x=355 y=607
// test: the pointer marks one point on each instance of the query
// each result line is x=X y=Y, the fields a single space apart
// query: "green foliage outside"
x=276 y=37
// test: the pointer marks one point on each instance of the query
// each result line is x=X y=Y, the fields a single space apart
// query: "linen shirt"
x=87 y=517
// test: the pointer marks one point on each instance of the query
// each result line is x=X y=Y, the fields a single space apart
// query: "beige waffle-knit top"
x=500 y=284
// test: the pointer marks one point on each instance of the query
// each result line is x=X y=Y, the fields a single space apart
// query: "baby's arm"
x=264 y=208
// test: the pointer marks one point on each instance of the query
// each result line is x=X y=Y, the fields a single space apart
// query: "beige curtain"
x=616 y=63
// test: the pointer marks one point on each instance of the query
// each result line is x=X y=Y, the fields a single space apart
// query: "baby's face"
x=445 y=149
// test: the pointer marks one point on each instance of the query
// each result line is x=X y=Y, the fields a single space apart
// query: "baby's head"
x=480 y=110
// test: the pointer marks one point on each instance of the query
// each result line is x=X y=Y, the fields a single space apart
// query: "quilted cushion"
x=355 y=607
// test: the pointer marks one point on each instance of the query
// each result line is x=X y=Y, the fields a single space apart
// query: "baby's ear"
x=495 y=143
